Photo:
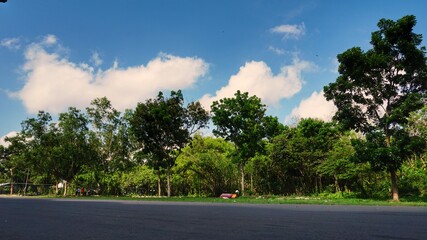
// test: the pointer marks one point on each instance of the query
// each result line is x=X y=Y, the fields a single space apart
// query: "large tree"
x=105 y=124
x=41 y=138
x=164 y=126
x=377 y=89
x=74 y=150
x=242 y=121
x=110 y=136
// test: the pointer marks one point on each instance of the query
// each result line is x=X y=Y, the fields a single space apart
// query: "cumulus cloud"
x=53 y=82
x=316 y=106
x=3 y=141
x=290 y=31
x=256 y=78
x=11 y=43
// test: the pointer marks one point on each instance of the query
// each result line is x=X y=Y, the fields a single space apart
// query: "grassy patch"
x=321 y=200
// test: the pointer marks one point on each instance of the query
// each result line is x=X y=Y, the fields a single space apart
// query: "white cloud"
x=53 y=83
x=2 y=139
x=316 y=106
x=277 y=51
x=50 y=40
x=290 y=31
x=96 y=59
x=11 y=43
x=256 y=78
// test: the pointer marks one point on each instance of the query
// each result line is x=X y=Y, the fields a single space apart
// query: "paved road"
x=25 y=218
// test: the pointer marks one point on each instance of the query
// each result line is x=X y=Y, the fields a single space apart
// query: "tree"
x=164 y=126
x=74 y=149
x=13 y=164
x=105 y=121
x=110 y=136
x=206 y=166
x=242 y=121
x=41 y=138
x=377 y=89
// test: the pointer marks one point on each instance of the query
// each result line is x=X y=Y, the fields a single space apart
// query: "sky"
x=56 y=54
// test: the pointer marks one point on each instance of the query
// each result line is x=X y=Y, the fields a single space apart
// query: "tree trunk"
x=159 y=186
x=394 y=190
x=26 y=183
x=242 y=171
x=66 y=188
x=11 y=181
x=316 y=186
x=393 y=176
x=252 y=183
x=168 y=178
x=337 y=185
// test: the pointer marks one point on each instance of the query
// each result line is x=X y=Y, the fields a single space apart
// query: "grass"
x=320 y=200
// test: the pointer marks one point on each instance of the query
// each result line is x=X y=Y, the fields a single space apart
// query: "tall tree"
x=110 y=136
x=40 y=136
x=105 y=121
x=377 y=89
x=74 y=149
x=242 y=121
x=164 y=126
x=13 y=160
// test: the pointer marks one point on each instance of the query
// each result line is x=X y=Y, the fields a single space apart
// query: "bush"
x=413 y=181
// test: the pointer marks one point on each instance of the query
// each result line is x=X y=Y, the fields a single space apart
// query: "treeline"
x=375 y=146
x=98 y=150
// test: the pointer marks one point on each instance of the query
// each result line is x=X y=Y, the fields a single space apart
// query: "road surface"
x=29 y=218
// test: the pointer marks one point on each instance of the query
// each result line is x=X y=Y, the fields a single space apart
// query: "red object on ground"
x=228 y=195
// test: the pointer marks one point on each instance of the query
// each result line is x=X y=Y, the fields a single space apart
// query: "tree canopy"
x=378 y=89
x=163 y=126
x=242 y=121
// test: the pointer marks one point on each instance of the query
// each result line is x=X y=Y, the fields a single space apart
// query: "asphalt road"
x=26 y=218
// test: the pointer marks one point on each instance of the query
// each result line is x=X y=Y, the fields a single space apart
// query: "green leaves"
x=242 y=121
x=377 y=89
x=163 y=127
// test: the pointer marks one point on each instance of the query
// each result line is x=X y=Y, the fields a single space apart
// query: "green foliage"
x=338 y=164
x=242 y=121
x=204 y=168
x=417 y=123
x=162 y=127
x=383 y=156
x=414 y=177
x=139 y=180
x=74 y=149
x=378 y=89
x=298 y=152
x=380 y=93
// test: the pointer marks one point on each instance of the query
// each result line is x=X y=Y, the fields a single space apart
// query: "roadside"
x=250 y=200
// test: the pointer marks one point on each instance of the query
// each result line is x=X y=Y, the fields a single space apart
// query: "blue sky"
x=55 y=54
